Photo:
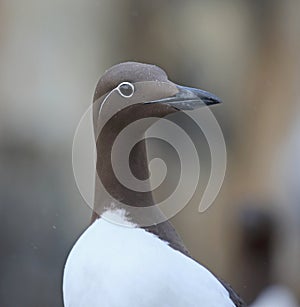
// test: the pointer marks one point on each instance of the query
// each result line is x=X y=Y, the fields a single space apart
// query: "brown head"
x=145 y=84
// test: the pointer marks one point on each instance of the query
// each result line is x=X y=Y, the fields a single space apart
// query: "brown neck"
x=115 y=190
x=111 y=193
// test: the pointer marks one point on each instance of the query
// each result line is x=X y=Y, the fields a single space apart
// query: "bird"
x=130 y=262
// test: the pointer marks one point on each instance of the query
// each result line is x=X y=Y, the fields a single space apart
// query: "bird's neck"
x=110 y=189
x=110 y=193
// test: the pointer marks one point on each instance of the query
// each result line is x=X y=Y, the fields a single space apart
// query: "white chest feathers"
x=117 y=266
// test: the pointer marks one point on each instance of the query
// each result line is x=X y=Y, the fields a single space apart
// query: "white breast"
x=119 y=266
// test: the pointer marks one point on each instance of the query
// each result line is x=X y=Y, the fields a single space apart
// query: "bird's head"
x=141 y=90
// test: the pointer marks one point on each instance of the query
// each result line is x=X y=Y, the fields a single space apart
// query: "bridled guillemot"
x=125 y=263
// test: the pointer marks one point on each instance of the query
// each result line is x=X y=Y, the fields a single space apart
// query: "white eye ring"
x=126 y=89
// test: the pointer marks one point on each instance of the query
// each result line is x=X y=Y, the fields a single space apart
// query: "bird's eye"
x=125 y=89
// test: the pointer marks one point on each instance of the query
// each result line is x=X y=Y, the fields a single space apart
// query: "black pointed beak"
x=188 y=98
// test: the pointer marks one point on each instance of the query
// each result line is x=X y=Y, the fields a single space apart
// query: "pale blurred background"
x=247 y=52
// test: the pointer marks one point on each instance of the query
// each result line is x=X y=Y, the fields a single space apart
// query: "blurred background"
x=247 y=52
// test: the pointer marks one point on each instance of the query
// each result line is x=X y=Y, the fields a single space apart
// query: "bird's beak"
x=188 y=98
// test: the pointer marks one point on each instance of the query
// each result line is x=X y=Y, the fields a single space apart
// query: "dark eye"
x=125 y=89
